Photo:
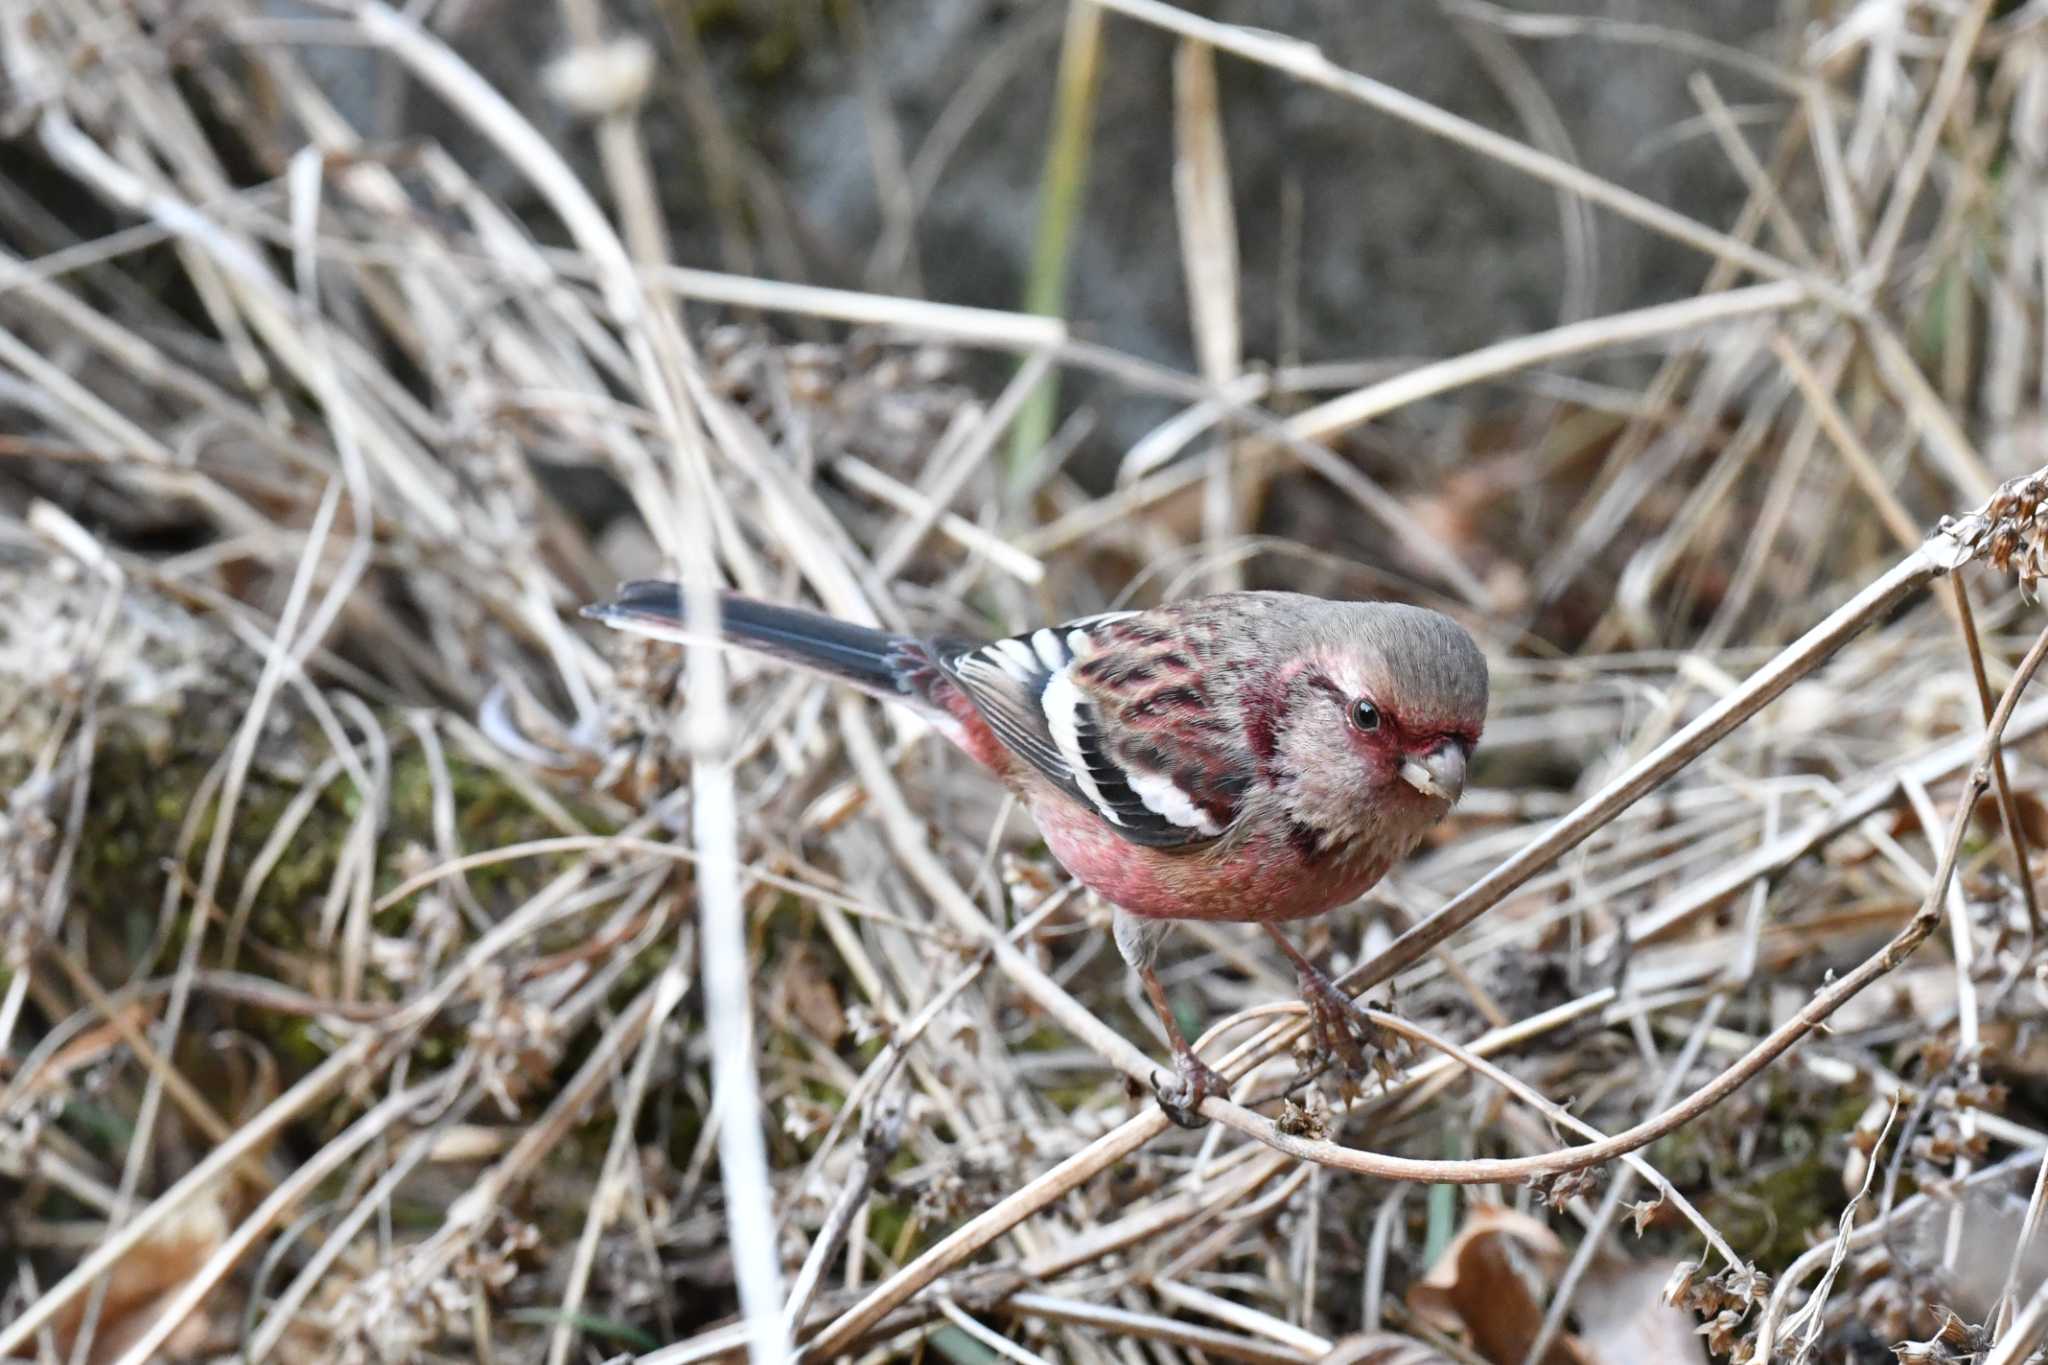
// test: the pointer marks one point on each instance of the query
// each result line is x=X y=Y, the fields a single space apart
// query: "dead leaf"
x=2032 y=812
x=1491 y=1284
x=142 y=1283
x=808 y=994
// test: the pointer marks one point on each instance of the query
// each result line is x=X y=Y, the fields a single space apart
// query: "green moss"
x=1772 y=1210
x=144 y=781
x=147 y=769
x=886 y=1220
x=102 y=1129
x=489 y=813
x=143 y=785
x=131 y=825
x=298 y=1044
x=412 y=1215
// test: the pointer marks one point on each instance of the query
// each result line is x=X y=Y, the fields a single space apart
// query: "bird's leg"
x=1138 y=939
x=1182 y=1100
x=1334 y=1022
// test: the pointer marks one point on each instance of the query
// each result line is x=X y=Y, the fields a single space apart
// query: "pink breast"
x=1250 y=879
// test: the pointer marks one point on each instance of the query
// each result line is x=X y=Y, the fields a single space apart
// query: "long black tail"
x=872 y=660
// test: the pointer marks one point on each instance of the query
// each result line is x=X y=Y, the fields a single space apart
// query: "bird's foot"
x=1337 y=1026
x=1194 y=1081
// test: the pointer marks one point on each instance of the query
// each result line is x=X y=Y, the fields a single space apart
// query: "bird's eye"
x=1365 y=717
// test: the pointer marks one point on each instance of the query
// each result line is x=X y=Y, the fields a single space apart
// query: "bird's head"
x=1382 y=706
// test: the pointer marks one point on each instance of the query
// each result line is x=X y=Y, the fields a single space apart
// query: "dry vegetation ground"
x=393 y=970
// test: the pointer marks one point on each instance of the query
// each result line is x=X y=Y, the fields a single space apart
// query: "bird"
x=1251 y=756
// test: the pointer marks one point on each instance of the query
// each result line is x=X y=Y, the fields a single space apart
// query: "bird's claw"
x=1336 y=1026
x=1194 y=1081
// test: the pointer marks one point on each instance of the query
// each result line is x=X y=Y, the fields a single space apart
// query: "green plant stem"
x=1060 y=193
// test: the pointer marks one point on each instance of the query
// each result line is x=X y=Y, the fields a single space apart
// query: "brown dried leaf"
x=809 y=995
x=142 y=1283
x=2032 y=812
x=1491 y=1284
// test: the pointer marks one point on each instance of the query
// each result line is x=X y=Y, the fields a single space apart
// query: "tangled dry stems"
x=524 y=1019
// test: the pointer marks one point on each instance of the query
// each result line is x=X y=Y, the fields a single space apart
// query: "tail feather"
x=873 y=660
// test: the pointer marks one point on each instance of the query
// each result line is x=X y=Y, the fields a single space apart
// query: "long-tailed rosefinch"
x=1253 y=756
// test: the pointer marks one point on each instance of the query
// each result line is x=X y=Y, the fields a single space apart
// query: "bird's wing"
x=1113 y=709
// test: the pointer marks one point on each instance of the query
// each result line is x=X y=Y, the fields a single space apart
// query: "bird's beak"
x=1439 y=773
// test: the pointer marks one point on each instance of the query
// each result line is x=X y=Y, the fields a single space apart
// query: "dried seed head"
x=1678 y=1289
x=2010 y=532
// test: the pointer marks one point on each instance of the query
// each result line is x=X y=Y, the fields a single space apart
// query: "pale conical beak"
x=1439 y=773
